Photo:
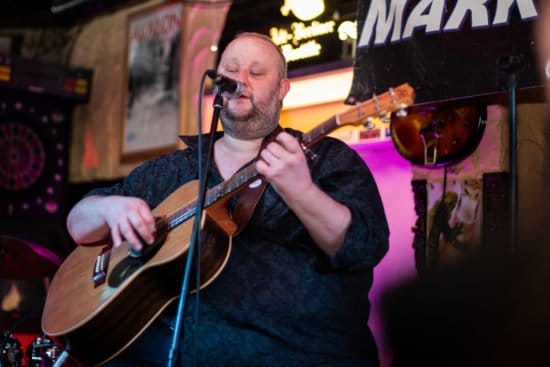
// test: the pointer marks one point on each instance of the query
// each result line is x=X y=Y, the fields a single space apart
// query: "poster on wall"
x=151 y=113
x=445 y=49
x=454 y=220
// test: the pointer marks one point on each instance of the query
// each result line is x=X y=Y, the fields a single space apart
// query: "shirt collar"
x=192 y=141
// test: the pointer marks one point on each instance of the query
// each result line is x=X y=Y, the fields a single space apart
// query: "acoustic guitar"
x=102 y=298
x=439 y=134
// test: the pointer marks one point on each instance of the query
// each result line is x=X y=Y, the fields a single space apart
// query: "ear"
x=284 y=87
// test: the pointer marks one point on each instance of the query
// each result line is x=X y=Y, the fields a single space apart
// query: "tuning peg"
x=376 y=103
x=369 y=123
x=402 y=111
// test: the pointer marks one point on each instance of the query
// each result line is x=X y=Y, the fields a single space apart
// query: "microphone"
x=229 y=88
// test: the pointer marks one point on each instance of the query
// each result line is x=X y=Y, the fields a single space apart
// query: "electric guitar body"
x=439 y=134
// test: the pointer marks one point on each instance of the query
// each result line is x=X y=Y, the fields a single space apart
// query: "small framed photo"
x=151 y=93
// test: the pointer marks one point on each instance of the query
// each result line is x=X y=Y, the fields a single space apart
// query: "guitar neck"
x=317 y=133
x=392 y=100
x=212 y=195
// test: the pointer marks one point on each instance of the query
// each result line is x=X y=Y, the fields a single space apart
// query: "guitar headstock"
x=395 y=99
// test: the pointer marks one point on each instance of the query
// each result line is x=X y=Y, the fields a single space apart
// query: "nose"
x=242 y=76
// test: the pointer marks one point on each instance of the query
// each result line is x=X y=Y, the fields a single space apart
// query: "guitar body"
x=439 y=134
x=95 y=323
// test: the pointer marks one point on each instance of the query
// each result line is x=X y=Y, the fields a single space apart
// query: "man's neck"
x=232 y=153
x=240 y=147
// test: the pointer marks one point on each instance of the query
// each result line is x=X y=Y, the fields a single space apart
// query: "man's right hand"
x=129 y=219
x=125 y=218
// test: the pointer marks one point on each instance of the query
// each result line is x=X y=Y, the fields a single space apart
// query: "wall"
x=393 y=176
x=101 y=46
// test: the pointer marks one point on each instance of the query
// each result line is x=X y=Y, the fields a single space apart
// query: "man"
x=295 y=289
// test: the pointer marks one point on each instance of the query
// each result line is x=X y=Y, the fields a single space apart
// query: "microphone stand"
x=511 y=65
x=195 y=235
x=513 y=158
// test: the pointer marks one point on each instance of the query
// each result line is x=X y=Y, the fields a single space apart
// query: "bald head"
x=283 y=68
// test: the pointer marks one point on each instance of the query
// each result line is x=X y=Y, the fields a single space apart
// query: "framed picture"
x=454 y=219
x=151 y=108
x=473 y=213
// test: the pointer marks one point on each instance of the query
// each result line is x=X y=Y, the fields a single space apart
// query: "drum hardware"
x=11 y=353
x=23 y=261
x=42 y=352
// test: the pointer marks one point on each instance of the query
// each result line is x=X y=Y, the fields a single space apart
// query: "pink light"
x=393 y=175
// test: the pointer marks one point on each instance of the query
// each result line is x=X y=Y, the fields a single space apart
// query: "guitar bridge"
x=101 y=266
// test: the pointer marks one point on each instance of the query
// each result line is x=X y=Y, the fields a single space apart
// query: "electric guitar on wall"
x=102 y=298
x=439 y=134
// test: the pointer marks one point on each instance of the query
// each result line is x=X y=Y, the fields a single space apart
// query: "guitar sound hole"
x=134 y=261
x=123 y=270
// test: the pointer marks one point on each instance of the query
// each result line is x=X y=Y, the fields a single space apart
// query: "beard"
x=259 y=122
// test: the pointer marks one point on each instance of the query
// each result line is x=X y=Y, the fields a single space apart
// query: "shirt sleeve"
x=154 y=180
x=129 y=186
x=345 y=176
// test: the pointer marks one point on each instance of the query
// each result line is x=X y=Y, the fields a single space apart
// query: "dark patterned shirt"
x=280 y=301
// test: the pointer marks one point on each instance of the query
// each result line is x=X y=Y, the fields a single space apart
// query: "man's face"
x=256 y=64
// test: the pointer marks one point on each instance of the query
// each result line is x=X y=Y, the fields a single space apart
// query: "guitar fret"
x=217 y=191
x=227 y=188
x=181 y=216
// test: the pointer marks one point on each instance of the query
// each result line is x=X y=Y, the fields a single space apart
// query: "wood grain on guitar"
x=111 y=311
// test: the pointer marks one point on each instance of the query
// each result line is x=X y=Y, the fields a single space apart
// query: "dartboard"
x=22 y=156
x=33 y=155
